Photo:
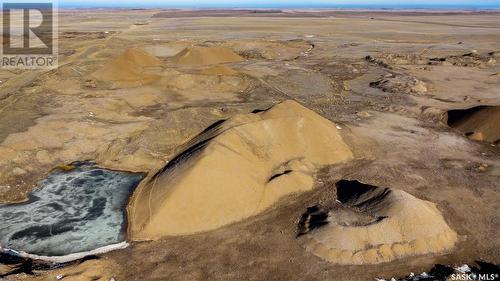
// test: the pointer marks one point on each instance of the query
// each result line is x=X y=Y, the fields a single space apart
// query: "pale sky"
x=281 y=3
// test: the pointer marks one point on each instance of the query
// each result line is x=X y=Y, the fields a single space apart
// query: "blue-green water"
x=70 y=212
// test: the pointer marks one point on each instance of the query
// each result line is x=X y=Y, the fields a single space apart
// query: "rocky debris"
x=397 y=59
x=343 y=71
x=272 y=49
x=433 y=114
x=471 y=59
x=253 y=54
x=377 y=61
x=400 y=84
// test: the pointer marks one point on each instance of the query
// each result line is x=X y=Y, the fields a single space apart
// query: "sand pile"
x=235 y=169
x=204 y=87
x=373 y=225
x=480 y=123
x=206 y=55
x=130 y=68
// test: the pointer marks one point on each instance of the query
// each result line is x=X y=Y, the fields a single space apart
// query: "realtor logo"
x=29 y=35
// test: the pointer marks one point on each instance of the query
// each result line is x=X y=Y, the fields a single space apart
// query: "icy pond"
x=71 y=211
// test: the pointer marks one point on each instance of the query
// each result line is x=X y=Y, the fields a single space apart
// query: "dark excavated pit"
x=360 y=196
x=73 y=210
x=458 y=115
x=356 y=206
x=480 y=123
x=314 y=217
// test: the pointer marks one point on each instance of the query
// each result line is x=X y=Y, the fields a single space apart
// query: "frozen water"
x=70 y=212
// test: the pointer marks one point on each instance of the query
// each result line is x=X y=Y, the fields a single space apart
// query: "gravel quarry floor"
x=387 y=80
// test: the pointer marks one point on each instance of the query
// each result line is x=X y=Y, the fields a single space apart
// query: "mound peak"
x=374 y=225
x=129 y=67
x=139 y=57
x=206 y=55
x=236 y=169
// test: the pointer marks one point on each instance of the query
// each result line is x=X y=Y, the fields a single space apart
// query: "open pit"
x=480 y=123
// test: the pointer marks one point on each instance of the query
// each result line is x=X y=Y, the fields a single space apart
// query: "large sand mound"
x=480 y=123
x=373 y=225
x=235 y=169
x=129 y=68
x=206 y=55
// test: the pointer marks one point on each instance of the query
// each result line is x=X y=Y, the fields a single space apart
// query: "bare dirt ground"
x=386 y=79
